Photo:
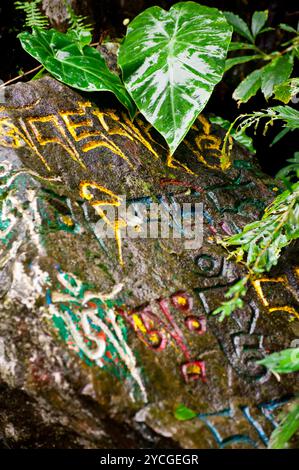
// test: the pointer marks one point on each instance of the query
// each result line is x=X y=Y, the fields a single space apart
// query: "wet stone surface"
x=103 y=341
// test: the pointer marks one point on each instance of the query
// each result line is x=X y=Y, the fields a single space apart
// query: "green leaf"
x=77 y=23
x=287 y=90
x=258 y=21
x=229 y=63
x=279 y=136
x=286 y=429
x=248 y=87
x=282 y=362
x=289 y=115
x=265 y=30
x=80 y=67
x=240 y=136
x=239 y=25
x=267 y=77
x=182 y=413
x=292 y=169
x=288 y=28
x=275 y=73
x=171 y=62
x=83 y=37
x=261 y=242
x=234 y=294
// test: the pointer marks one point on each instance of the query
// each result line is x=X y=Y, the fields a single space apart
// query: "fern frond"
x=77 y=23
x=34 y=17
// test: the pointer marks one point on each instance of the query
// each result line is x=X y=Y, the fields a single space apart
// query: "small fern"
x=77 y=23
x=34 y=17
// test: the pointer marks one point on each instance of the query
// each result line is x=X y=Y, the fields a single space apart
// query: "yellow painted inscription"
x=259 y=286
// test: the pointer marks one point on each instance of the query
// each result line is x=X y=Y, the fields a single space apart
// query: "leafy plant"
x=74 y=63
x=288 y=426
x=171 y=62
x=239 y=136
x=182 y=413
x=288 y=115
x=270 y=77
x=235 y=296
x=287 y=90
x=282 y=362
x=35 y=19
x=290 y=171
x=77 y=23
x=260 y=243
x=34 y=16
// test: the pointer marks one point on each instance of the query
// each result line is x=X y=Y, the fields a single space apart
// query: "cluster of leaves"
x=259 y=246
x=260 y=243
x=239 y=135
x=170 y=62
x=272 y=78
x=290 y=172
x=284 y=362
x=289 y=116
x=288 y=426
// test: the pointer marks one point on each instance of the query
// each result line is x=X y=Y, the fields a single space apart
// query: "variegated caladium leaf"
x=171 y=62
x=69 y=59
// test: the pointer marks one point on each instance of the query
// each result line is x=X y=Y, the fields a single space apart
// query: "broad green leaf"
x=68 y=61
x=229 y=63
x=283 y=362
x=248 y=87
x=275 y=73
x=182 y=413
x=286 y=429
x=239 y=25
x=258 y=21
x=287 y=90
x=83 y=37
x=171 y=62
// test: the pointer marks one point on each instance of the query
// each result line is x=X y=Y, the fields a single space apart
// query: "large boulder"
x=109 y=341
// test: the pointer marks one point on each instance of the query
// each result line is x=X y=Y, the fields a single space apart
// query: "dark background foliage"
x=107 y=17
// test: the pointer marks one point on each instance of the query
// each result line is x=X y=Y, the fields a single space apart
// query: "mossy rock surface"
x=111 y=342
